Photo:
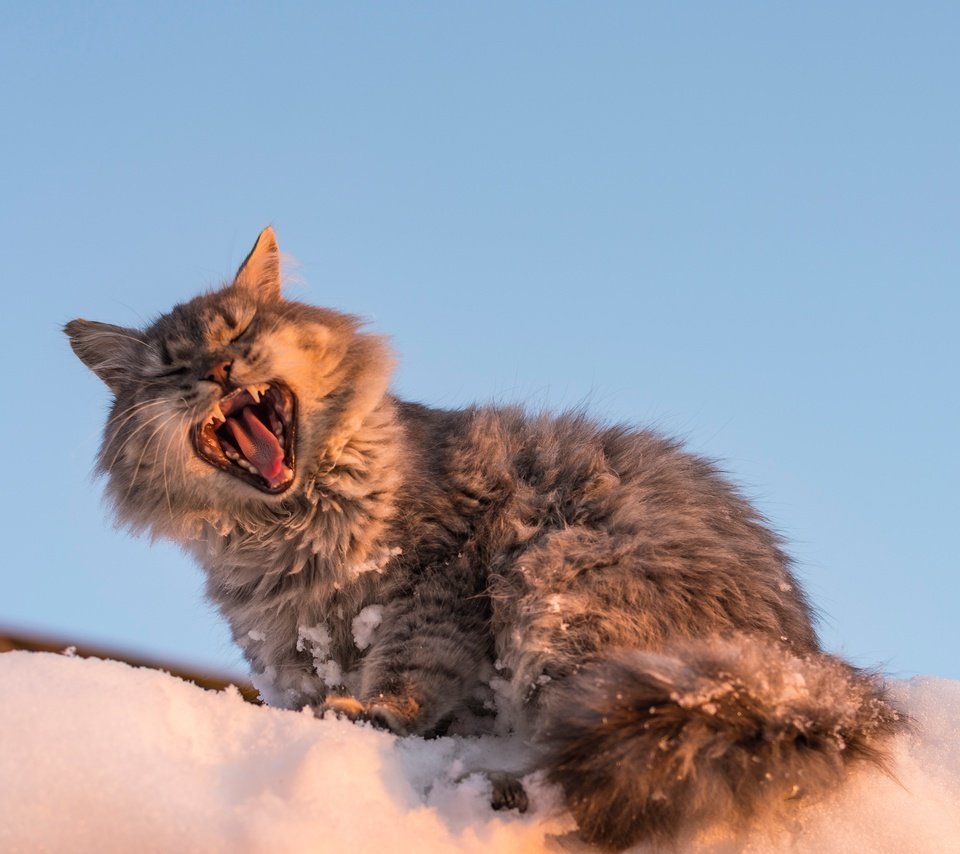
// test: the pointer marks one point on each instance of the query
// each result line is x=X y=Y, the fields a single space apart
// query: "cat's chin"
x=251 y=435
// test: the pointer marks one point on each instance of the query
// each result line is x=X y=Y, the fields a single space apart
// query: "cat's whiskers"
x=112 y=428
x=130 y=413
x=116 y=430
x=146 y=446
x=133 y=435
x=133 y=409
x=163 y=467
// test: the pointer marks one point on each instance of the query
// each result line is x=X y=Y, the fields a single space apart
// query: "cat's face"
x=234 y=397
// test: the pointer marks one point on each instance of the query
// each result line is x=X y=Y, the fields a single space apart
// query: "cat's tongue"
x=259 y=446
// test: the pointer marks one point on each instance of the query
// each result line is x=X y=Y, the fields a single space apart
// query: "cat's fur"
x=647 y=632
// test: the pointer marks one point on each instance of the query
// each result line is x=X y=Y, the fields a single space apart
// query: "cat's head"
x=234 y=399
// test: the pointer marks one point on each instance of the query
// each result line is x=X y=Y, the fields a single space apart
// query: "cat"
x=390 y=562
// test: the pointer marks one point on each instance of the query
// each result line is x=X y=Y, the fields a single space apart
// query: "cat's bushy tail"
x=646 y=745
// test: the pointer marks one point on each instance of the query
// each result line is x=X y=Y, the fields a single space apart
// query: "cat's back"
x=575 y=467
x=514 y=485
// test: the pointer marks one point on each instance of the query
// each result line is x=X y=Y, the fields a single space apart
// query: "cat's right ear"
x=259 y=274
x=107 y=350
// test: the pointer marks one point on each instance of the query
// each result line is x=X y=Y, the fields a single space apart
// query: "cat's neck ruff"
x=338 y=518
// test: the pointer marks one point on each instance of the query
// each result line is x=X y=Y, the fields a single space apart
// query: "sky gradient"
x=737 y=224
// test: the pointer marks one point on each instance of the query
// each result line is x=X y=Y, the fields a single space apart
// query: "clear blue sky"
x=738 y=222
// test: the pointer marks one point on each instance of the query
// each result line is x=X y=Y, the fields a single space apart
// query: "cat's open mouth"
x=250 y=434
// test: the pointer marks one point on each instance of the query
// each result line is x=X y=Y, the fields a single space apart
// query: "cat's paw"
x=508 y=793
x=395 y=714
x=336 y=706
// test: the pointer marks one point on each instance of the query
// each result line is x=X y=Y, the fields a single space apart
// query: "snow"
x=99 y=756
x=365 y=623
x=317 y=640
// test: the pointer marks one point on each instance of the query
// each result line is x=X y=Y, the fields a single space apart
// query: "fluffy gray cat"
x=389 y=561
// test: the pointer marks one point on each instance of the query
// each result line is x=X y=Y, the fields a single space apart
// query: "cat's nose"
x=220 y=373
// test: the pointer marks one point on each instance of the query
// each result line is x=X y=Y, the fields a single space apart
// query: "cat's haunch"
x=376 y=558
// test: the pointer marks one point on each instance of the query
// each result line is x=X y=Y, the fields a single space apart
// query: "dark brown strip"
x=11 y=640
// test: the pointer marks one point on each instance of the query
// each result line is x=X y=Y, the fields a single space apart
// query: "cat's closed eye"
x=244 y=333
x=170 y=366
x=174 y=372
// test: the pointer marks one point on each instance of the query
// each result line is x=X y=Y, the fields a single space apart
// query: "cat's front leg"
x=426 y=655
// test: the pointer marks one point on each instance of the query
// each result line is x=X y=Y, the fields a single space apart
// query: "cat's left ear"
x=259 y=274
x=109 y=351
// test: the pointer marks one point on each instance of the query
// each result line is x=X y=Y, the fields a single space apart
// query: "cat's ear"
x=107 y=350
x=259 y=274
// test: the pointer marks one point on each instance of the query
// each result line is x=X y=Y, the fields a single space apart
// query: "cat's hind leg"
x=655 y=716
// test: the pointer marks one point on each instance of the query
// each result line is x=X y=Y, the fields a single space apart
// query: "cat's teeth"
x=258 y=390
x=232 y=454
x=217 y=415
x=248 y=466
x=277 y=426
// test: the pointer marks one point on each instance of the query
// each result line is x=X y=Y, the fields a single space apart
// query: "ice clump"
x=364 y=625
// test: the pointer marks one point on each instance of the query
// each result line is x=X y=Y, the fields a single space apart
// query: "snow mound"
x=99 y=756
